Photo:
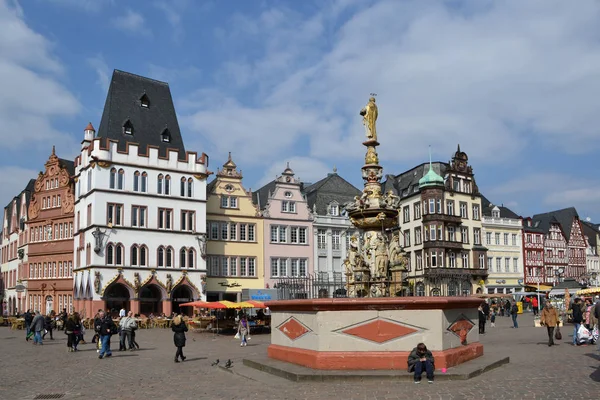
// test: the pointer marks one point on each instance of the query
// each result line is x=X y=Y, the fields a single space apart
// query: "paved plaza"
x=535 y=371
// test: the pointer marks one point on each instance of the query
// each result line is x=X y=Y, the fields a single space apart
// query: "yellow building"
x=235 y=251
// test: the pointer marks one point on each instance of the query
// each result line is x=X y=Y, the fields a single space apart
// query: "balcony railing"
x=456 y=272
x=447 y=244
x=502 y=221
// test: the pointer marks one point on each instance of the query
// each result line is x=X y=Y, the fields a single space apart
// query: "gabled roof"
x=261 y=196
x=591 y=231
x=69 y=165
x=123 y=103
x=407 y=183
x=327 y=190
x=563 y=217
x=487 y=207
x=9 y=208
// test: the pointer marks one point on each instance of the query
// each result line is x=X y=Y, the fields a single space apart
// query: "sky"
x=515 y=83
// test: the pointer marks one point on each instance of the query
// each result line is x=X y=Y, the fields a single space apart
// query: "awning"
x=561 y=291
x=543 y=288
x=588 y=291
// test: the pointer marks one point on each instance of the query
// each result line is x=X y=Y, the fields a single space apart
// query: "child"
x=493 y=318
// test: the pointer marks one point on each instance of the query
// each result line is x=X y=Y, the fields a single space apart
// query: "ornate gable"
x=577 y=239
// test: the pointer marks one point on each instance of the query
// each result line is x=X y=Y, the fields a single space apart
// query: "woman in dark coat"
x=179 y=327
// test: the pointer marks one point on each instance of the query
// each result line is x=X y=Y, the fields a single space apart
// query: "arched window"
x=143 y=256
x=190 y=185
x=110 y=254
x=169 y=260
x=191 y=258
x=144 y=181
x=136 y=181
x=134 y=255
x=452 y=288
x=119 y=254
x=182 y=257
x=113 y=178
x=121 y=178
x=167 y=184
x=159 y=184
x=165 y=136
x=420 y=289
x=182 y=187
x=160 y=255
x=128 y=128
x=452 y=259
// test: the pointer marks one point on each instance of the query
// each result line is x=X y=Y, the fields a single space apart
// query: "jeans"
x=577 y=325
x=72 y=340
x=424 y=365
x=126 y=335
x=27 y=330
x=105 y=340
x=550 y=335
x=37 y=337
x=514 y=318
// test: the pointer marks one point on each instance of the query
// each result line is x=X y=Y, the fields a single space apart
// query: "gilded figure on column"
x=369 y=113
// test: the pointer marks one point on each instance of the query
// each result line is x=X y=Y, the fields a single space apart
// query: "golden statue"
x=371 y=157
x=369 y=114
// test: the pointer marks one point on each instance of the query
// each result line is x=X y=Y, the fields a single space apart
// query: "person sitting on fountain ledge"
x=419 y=360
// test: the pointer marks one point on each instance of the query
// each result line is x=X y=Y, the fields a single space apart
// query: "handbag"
x=557 y=334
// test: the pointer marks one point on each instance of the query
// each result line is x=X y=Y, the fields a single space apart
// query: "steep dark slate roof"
x=9 y=208
x=123 y=103
x=261 y=196
x=487 y=207
x=407 y=183
x=69 y=166
x=591 y=231
x=327 y=190
x=563 y=217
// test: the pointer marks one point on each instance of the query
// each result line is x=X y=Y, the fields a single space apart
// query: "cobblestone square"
x=535 y=371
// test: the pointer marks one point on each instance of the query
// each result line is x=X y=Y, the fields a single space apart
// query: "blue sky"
x=515 y=83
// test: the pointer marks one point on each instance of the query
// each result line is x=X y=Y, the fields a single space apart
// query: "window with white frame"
x=279 y=267
x=232 y=231
x=406 y=213
x=288 y=206
x=418 y=236
x=476 y=236
x=498 y=264
x=431 y=206
x=114 y=214
x=507 y=264
x=452 y=259
x=214 y=230
x=515 y=265
x=497 y=238
x=298 y=235
x=488 y=238
x=465 y=260
x=490 y=263
x=321 y=239
x=138 y=216
x=463 y=210
x=464 y=234
x=229 y=201
x=334 y=209
x=450 y=207
x=476 y=211
x=165 y=218
x=279 y=234
x=452 y=234
x=506 y=239
x=417 y=210
x=481 y=261
x=336 y=239
x=514 y=239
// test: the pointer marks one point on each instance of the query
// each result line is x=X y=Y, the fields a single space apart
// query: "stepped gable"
x=145 y=107
x=332 y=188
x=563 y=217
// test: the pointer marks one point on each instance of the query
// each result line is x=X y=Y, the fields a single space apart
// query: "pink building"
x=287 y=232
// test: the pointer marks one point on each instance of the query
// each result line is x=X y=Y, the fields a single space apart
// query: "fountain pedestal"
x=373 y=333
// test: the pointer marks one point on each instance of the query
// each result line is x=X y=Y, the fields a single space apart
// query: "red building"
x=533 y=254
x=50 y=261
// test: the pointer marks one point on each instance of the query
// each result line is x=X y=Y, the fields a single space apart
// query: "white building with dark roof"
x=140 y=209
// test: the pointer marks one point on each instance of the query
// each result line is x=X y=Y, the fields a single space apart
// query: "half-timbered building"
x=533 y=254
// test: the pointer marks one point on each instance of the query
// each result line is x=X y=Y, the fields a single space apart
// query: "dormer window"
x=288 y=195
x=496 y=213
x=145 y=101
x=128 y=128
x=334 y=210
x=165 y=136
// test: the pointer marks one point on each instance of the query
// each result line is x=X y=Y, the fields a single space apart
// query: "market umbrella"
x=245 y=304
x=197 y=304
x=256 y=304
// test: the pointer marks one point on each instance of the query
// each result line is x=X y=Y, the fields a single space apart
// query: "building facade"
x=287 y=228
x=331 y=227
x=533 y=254
x=441 y=227
x=235 y=229
x=50 y=257
x=592 y=255
x=140 y=208
x=15 y=246
x=503 y=237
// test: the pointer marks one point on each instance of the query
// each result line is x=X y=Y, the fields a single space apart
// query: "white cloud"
x=13 y=179
x=493 y=76
x=98 y=64
x=173 y=12
x=31 y=94
x=131 y=22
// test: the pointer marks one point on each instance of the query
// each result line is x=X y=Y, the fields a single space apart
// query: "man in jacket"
x=37 y=326
x=105 y=327
x=577 y=318
x=421 y=359
x=28 y=318
x=127 y=325
x=549 y=318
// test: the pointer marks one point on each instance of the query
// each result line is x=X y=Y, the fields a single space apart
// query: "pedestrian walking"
x=28 y=318
x=535 y=306
x=127 y=325
x=73 y=330
x=549 y=319
x=482 y=319
x=243 y=330
x=493 y=318
x=37 y=326
x=179 y=327
x=577 y=318
x=49 y=324
x=514 y=311
x=105 y=327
